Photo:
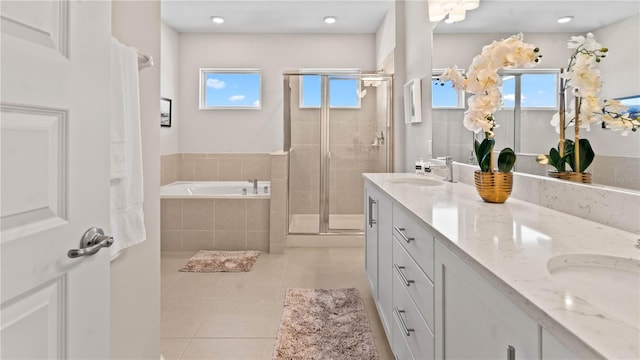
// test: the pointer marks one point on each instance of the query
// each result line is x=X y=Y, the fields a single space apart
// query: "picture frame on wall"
x=165 y=112
x=412 y=102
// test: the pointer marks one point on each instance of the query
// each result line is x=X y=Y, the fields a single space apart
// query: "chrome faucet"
x=255 y=185
x=448 y=161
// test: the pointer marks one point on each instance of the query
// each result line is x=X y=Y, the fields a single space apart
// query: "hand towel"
x=127 y=216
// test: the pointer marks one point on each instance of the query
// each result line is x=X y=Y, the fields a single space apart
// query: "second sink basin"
x=417 y=181
x=607 y=282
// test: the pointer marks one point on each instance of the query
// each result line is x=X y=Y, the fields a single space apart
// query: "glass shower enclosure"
x=337 y=126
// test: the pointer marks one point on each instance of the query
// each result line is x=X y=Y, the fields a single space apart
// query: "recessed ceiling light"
x=217 y=19
x=565 y=19
x=330 y=19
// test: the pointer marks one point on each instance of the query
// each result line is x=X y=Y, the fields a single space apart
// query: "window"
x=444 y=95
x=230 y=88
x=538 y=90
x=343 y=91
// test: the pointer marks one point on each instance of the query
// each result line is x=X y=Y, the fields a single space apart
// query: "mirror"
x=525 y=126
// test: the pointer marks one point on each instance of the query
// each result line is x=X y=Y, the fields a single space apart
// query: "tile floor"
x=236 y=315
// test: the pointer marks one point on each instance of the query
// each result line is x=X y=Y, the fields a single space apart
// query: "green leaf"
x=506 y=160
x=555 y=160
x=476 y=146
x=483 y=154
x=586 y=154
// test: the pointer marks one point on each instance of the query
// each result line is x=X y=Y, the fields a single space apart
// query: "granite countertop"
x=511 y=244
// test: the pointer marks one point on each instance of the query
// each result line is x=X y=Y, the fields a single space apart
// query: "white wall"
x=255 y=130
x=386 y=37
x=620 y=70
x=417 y=65
x=135 y=275
x=169 y=72
x=460 y=49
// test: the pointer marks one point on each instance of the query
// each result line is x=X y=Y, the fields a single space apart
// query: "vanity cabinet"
x=552 y=349
x=378 y=253
x=474 y=319
x=413 y=287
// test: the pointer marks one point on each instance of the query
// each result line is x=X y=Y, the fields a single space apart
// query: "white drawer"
x=415 y=238
x=399 y=346
x=414 y=280
x=415 y=331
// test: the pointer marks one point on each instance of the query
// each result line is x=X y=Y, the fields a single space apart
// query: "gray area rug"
x=324 y=324
x=221 y=261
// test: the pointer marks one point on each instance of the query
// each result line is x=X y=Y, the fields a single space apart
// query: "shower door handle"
x=372 y=221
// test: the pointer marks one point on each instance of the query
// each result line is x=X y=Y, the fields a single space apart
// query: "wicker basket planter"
x=493 y=187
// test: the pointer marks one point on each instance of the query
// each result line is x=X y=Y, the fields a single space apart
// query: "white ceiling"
x=503 y=16
x=275 y=16
x=364 y=16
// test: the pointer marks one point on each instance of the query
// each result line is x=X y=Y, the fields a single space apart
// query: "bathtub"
x=214 y=215
x=214 y=190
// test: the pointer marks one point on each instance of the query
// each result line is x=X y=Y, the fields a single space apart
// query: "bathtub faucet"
x=255 y=185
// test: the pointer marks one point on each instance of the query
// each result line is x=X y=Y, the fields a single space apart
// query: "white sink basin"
x=417 y=181
x=607 y=282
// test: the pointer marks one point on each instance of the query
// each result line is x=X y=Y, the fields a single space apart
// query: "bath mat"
x=324 y=324
x=221 y=261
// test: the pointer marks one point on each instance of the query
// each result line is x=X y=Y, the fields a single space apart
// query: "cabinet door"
x=371 y=239
x=385 y=261
x=552 y=349
x=474 y=320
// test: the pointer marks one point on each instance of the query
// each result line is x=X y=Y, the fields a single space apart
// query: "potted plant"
x=582 y=78
x=483 y=81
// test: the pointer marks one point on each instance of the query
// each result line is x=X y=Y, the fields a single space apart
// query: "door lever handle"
x=92 y=241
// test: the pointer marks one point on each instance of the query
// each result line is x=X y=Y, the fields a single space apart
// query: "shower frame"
x=325 y=153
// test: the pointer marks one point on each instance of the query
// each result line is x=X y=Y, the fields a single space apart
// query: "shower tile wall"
x=304 y=190
x=214 y=167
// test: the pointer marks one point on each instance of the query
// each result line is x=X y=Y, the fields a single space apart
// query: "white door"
x=54 y=178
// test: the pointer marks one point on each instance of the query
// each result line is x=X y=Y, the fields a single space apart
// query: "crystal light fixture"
x=455 y=9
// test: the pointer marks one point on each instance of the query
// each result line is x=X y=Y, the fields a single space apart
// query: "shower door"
x=339 y=128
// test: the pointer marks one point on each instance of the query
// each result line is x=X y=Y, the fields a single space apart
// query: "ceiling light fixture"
x=565 y=19
x=455 y=9
x=330 y=19
x=217 y=19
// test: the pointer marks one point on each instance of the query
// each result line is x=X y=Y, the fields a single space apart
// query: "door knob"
x=92 y=241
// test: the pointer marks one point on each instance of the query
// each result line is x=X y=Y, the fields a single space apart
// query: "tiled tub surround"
x=214 y=167
x=279 y=200
x=215 y=224
x=510 y=244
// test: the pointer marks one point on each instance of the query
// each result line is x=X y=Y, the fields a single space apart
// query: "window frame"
x=462 y=95
x=519 y=73
x=203 y=87
x=332 y=74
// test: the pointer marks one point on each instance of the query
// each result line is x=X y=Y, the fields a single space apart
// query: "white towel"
x=127 y=216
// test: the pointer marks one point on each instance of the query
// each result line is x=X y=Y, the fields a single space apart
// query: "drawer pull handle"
x=399 y=313
x=372 y=221
x=511 y=353
x=399 y=269
x=402 y=233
